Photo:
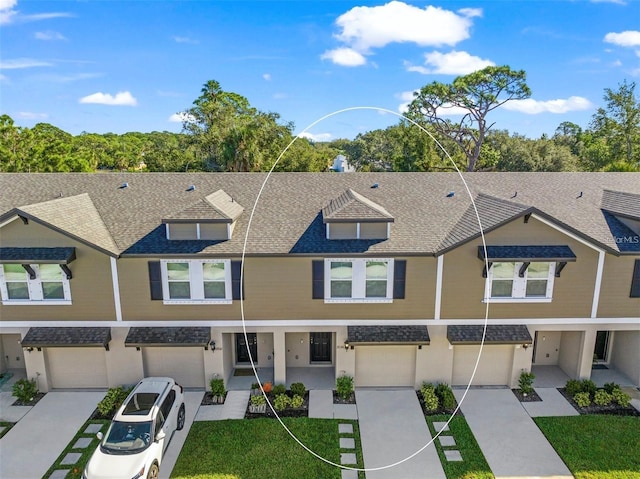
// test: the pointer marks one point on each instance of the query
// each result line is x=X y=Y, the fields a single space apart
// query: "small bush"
x=446 y=397
x=582 y=399
x=281 y=402
x=588 y=386
x=217 y=387
x=279 y=389
x=25 y=390
x=602 y=398
x=297 y=401
x=431 y=402
x=255 y=386
x=258 y=400
x=573 y=387
x=621 y=397
x=344 y=387
x=610 y=387
x=298 y=389
x=525 y=383
x=112 y=400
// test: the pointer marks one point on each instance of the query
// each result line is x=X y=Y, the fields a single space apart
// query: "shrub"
x=258 y=400
x=255 y=386
x=431 y=401
x=279 y=389
x=298 y=389
x=25 y=389
x=297 y=401
x=573 y=387
x=267 y=387
x=112 y=400
x=610 y=387
x=344 y=387
x=602 y=398
x=525 y=383
x=281 y=402
x=621 y=397
x=582 y=399
x=588 y=386
x=448 y=400
x=217 y=387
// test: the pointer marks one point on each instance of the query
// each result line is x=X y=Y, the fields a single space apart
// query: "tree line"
x=223 y=132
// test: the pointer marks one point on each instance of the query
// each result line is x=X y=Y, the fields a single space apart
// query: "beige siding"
x=463 y=284
x=373 y=230
x=91 y=285
x=213 y=231
x=338 y=231
x=616 y=287
x=182 y=231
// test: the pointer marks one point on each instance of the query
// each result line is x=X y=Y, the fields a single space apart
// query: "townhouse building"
x=389 y=277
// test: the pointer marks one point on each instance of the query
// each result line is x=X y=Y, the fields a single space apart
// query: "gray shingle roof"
x=496 y=334
x=37 y=255
x=352 y=207
x=168 y=336
x=217 y=207
x=621 y=204
x=388 y=334
x=527 y=252
x=66 y=337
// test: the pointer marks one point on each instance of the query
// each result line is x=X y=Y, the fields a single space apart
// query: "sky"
x=333 y=68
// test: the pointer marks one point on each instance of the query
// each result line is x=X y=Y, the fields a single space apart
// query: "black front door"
x=602 y=345
x=320 y=344
x=242 y=351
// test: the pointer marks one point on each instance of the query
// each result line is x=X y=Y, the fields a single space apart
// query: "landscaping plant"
x=298 y=389
x=217 y=387
x=112 y=401
x=25 y=390
x=602 y=398
x=445 y=394
x=431 y=402
x=525 y=383
x=279 y=389
x=344 y=387
x=267 y=387
x=573 y=387
x=296 y=401
x=582 y=399
x=281 y=402
x=621 y=397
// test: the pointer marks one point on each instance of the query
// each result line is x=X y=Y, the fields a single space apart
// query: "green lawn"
x=596 y=447
x=262 y=449
x=473 y=465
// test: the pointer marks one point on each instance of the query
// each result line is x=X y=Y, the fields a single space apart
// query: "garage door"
x=385 y=366
x=77 y=367
x=185 y=365
x=494 y=368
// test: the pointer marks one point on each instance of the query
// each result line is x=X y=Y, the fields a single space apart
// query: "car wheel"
x=153 y=471
x=181 y=417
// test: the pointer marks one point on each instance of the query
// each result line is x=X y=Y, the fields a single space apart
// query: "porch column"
x=586 y=360
x=214 y=365
x=36 y=369
x=279 y=357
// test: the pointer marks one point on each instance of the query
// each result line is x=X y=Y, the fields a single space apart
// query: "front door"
x=242 y=351
x=602 y=346
x=320 y=344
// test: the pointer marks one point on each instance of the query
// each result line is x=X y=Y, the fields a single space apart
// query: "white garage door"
x=185 y=365
x=385 y=366
x=77 y=367
x=494 y=368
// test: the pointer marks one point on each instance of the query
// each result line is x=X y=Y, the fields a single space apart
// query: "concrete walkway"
x=553 y=404
x=511 y=442
x=392 y=427
x=35 y=442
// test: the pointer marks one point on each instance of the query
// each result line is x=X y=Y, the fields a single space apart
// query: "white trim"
x=196 y=282
x=358 y=230
x=36 y=292
x=166 y=228
x=358 y=280
x=439 y=271
x=9 y=220
x=598 y=285
x=327 y=232
x=516 y=300
x=388 y=230
x=519 y=285
x=197 y=230
x=116 y=288
x=23 y=302
x=228 y=231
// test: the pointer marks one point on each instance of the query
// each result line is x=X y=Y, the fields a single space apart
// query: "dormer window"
x=352 y=216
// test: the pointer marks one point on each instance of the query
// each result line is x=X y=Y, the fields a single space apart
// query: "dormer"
x=352 y=216
x=212 y=218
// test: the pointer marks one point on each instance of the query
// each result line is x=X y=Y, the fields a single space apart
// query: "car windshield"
x=127 y=437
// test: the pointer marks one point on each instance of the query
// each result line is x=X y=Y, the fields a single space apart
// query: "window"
x=358 y=280
x=49 y=284
x=520 y=281
x=196 y=281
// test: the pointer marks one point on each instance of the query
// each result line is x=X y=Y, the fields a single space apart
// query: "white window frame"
x=358 y=280
x=196 y=282
x=35 y=289
x=519 y=288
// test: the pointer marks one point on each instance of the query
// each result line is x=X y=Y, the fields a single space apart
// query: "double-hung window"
x=34 y=284
x=196 y=281
x=520 y=281
x=358 y=280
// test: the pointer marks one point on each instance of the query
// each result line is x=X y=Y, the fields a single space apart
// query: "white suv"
x=140 y=432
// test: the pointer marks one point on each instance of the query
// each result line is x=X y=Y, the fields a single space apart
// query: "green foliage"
x=344 y=387
x=610 y=387
x=297 y=401
x=582 y=399
x=298 y=389
x=588 y=386
x=257 y=400
x=446 y=397
x=602 y=398
x=525 y=383
x=431 y=401
x=279 y=389
x=24 y=390
x=573 y=387
x=621 y=397
x=255 y=386
x=113 y=400
x=281 y=402
x=217 y=387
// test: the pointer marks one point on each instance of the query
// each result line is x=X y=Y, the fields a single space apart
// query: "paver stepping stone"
x=348 y=458
x=453 y=455
x=82 y=442
x=71 y=458
x=93 y=428
x=347 y=443
x=349 y=474
x=345 y=428
x=59 y=474
x=440 y=426
x=447 y=440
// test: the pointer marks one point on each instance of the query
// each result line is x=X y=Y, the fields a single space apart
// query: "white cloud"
x=346 y=57
x=122 y=98
x=266 y=76
x=316 y=136
x=617 y=2
x=18 y=63
x=9 y=15
x=49 y=35
x=28 y=115
x=452 y=63
x=470 y=12
x=6 y=11
x=534 y=107
x=629 y=38
x=56 y=78
x=179 y=39
x=181 y=117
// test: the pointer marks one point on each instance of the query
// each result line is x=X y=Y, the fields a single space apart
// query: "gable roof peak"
x=351 y=206
x=218 y=207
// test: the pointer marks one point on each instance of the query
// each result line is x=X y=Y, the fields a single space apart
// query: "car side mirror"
x=160 y=436
x=99 y=435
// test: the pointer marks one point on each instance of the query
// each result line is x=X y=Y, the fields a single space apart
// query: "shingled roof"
x=495 y=334
x=66 y=337
x=622 y=204
x=388 y=335
x=353 y=207
x=218 y=207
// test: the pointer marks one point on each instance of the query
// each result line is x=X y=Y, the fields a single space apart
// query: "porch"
x=311 y=377
x=555 y=377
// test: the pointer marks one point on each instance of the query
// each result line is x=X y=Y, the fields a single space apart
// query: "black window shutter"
x=155 y=280
x=317 y=267
x=399 y=278
x=236 y=290
x=635 y=281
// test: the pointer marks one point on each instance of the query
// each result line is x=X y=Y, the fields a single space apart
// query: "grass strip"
x=7 y=426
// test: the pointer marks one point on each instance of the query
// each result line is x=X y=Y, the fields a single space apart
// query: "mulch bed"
x=33 y=402
x=440 y=410
x=531 y=397
x=612 y=409
x=207 y=399
x=289 y=412
x=339 y=400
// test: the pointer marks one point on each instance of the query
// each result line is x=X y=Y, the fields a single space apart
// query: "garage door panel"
x=494 y=368
x=185 y=365
x=386 y=366
x=77 y=367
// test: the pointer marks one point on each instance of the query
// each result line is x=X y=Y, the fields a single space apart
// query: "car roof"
x=144 y=399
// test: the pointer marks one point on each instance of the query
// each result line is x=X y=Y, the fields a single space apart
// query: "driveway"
x=511 y=442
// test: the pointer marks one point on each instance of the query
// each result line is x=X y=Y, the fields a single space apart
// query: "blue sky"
x=107 y=66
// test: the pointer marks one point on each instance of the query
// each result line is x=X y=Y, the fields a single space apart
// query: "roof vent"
x=450 y=194
x=580 y=195
x=375 y=185
x=191 y=187
x=124 y=185
x=515 y=194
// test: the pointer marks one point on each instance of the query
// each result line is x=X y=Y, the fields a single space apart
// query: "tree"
x=476 y=94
